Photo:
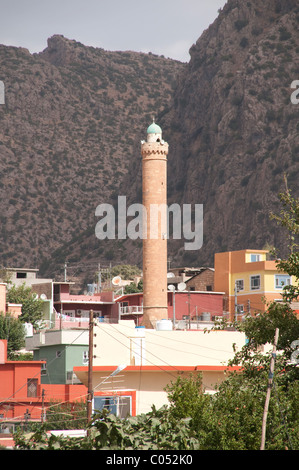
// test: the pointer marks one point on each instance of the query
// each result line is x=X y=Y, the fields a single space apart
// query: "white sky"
x=167 y=27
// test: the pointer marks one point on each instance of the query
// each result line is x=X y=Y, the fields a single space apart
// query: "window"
x=85 y=357
x=21 y=275
x=31 y=387
x=120 y=406
x=58 y=354
x=255 y=282
x=240 y=309
x=240 y=284
x=282 y=280
x=254 y=258
x=44 y=367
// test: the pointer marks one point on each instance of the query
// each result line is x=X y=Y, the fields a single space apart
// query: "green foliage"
x=32 y=308
x=186 y=396
x=260 y=330
x=66 y=415
x=5 y=275
x=228 y=420
x=231 y=419
x=154 y=430
x=125 y=271
x=289 y=218
x=13 y=331
x=133 y=288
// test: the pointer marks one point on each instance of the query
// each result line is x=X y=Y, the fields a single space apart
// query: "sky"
x=163 y=27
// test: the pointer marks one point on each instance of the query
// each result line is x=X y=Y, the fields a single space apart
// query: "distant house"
x=15 y=310
x=202 y=281
x=176 y=276
x=60 y=351
x=249 y=279
x=27 y=276
x=66 y=310
x=187 y=309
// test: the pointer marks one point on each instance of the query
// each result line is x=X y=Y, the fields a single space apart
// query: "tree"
x=13 y=331
x=32 y=307
x=5 y=275
x=289 y=218
x=133 y=288
x=185 y=396
x=125 y=271
x=231 y=419
x=66 y=415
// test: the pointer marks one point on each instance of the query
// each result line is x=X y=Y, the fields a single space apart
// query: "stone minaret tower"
x=154 y=192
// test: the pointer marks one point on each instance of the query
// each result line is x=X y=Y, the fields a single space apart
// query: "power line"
x=37 y=374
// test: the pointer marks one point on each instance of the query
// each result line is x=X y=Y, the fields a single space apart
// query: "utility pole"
x=236 y=301
x=270 y=383
x=43 y=406
x=90 y=364
x=189 y=313
x=99 y=278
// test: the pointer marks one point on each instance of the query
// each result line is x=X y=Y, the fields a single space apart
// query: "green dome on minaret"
x=154 y=129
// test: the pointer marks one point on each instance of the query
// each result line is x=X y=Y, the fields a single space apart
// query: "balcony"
x=63 y=322
x=131 y=310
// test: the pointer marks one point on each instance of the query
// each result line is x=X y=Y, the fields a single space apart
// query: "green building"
x=62 y=350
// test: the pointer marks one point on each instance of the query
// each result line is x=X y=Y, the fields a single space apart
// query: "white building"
x=150 y=359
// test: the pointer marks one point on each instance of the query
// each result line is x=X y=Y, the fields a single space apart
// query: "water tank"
x=205 y=316
x=140 y=331
x=164 y=325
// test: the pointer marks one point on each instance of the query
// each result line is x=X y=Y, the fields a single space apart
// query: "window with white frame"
x=255 y=282
x=240 y=309
x=282 y=280
x=239 y=284
x=119 y=405
x=44 y=367
x=254 y=258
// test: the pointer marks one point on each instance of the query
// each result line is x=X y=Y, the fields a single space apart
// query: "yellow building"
x=250 y=281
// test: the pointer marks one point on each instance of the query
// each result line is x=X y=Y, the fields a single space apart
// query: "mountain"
x=75 y=116
x=234 y=130
x=68 y=132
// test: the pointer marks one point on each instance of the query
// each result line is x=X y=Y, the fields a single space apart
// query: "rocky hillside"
x=74 y=118
x=232 y=129
x=236 y=128
x=68 y=132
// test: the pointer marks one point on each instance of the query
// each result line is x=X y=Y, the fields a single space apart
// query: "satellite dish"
x=181 y=286
x=116 y=280
x=171 y=287
x=35 y=296
x=170 y=275
x=43 y=296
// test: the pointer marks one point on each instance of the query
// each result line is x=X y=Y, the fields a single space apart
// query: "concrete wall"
x=155 y=358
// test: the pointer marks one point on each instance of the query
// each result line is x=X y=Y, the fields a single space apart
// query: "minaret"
x=154 y=192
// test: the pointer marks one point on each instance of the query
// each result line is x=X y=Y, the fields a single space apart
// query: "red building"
x=23 y=398
x=182 y=306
